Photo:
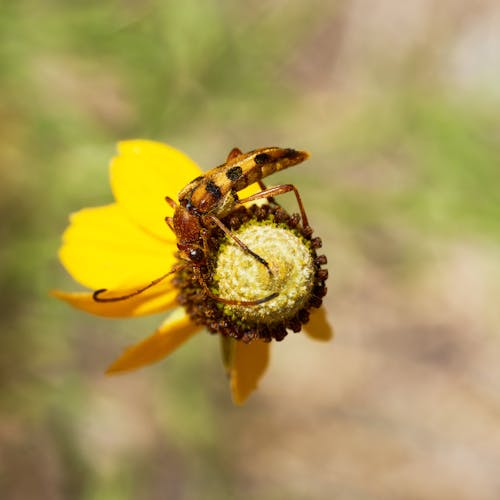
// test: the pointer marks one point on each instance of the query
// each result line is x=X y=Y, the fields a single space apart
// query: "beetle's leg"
x=170 y=223
x=170 y=220
x=277 y=190
x=242 y=245
x=230 y=302
x=233 y=154
x=171 y=202
x=204 y=237
x=263 y=187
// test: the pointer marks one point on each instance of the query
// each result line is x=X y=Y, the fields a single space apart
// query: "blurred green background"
x=399 y=104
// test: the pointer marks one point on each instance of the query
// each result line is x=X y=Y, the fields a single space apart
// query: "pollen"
x=239 y=276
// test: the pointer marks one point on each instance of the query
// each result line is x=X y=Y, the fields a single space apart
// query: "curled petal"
x=249 y=363
x=102 y=248
x=157 y=299
x=143 y=174
x=173 y=332
x=318 y=327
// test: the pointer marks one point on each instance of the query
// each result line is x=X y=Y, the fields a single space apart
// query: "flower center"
x=240 y=276
x=295 y=278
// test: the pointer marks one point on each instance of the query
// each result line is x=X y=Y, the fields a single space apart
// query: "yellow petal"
x=318 y=327
x=173 y=332
x=143 y=174
x=102 y=248
x=248 y=191
x=157 y=299
x=249 y=364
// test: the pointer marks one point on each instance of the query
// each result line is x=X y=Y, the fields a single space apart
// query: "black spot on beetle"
x=291 y=153
x=234 y=173
x=213 y=189
x=262 y=158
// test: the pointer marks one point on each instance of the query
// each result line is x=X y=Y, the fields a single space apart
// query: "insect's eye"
x=196 y=254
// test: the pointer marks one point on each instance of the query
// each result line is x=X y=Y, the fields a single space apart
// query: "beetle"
x=210 y=197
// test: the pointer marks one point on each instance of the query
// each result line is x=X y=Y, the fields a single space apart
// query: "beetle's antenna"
x=242 y=245
x=231 y=302
x=97 y=294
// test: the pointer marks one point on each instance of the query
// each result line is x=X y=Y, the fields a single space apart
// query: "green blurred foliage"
x=450 y=154
x=400 y=156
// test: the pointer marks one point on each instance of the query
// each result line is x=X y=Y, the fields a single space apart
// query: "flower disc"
x=240 y=276
x=294 y=282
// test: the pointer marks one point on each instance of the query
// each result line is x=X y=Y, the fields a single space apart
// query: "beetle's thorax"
x=186 y=225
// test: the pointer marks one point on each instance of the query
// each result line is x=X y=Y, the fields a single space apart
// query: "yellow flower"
x=127 y=244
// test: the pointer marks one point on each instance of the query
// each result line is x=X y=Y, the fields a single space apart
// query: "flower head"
x=126 y=245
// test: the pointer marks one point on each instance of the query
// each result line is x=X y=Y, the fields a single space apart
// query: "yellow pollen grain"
x=239 y=276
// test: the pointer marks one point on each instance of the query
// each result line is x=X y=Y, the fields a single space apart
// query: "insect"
x=212 y=196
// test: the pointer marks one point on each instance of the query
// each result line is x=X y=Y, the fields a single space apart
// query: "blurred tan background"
x=399 y=104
